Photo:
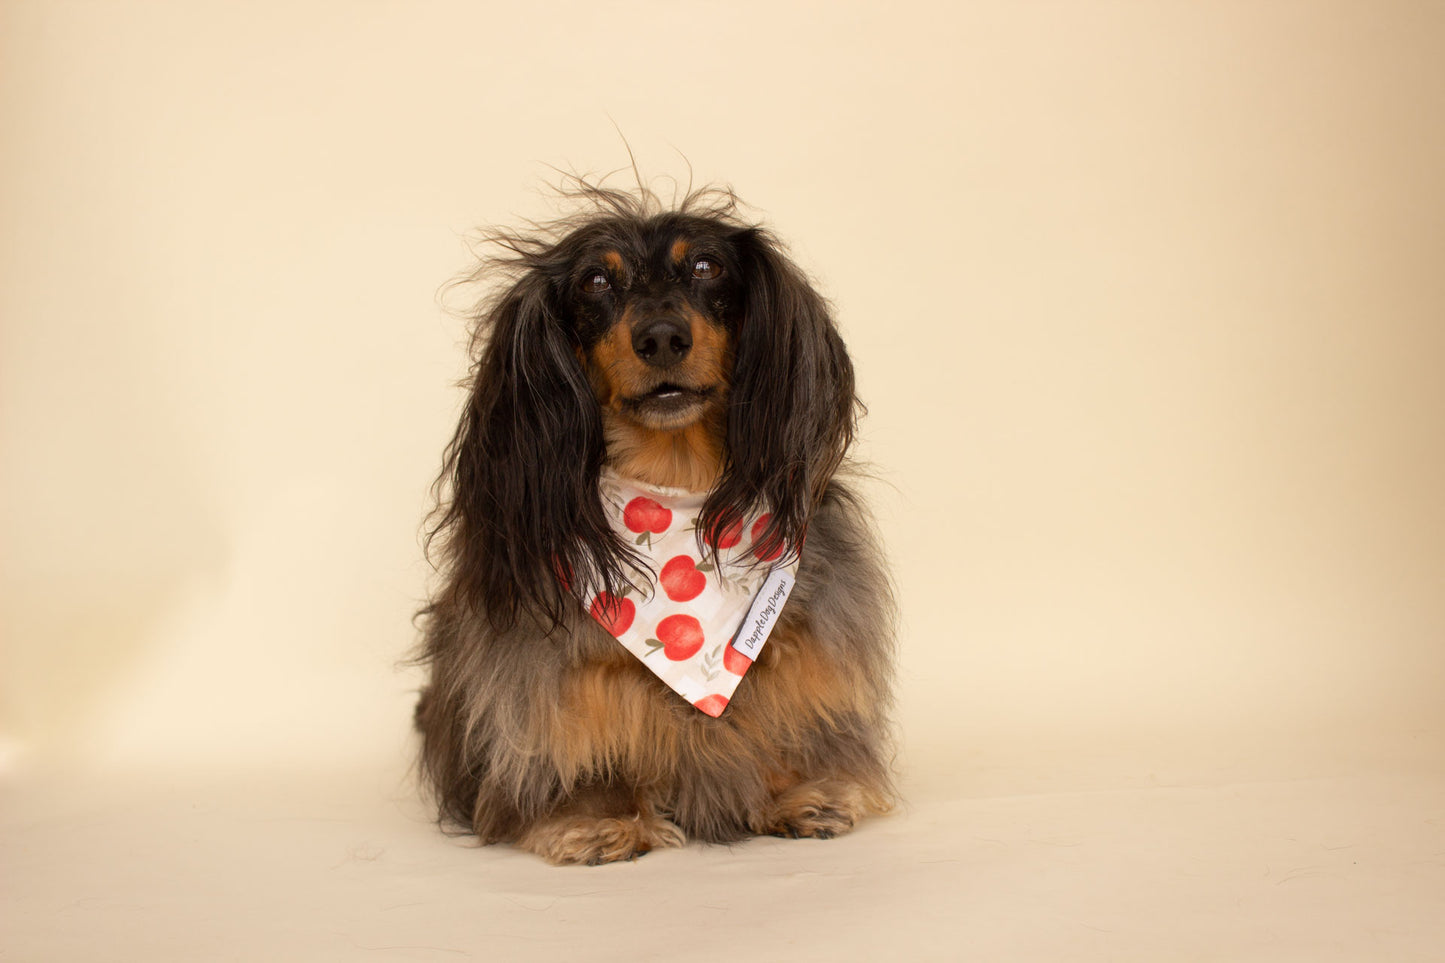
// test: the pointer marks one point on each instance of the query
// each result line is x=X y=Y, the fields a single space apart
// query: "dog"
x=674 y=347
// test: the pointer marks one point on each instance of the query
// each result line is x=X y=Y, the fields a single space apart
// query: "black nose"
x=662 y=343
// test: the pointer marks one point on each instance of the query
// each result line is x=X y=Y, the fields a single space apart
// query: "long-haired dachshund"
x=673 y=351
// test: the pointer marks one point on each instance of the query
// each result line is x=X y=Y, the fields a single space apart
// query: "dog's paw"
x=593 y=840
x=817 y=823
x=820 y=809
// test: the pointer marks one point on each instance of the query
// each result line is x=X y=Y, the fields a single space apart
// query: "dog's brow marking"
x=613 y=260
x=679 y=250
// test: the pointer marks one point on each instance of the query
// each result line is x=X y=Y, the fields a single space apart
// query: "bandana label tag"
x=759 y=622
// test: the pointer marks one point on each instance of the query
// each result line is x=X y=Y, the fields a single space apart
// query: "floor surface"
x=1081 y=858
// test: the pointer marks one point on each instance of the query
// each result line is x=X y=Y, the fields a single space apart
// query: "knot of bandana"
x=699 y=618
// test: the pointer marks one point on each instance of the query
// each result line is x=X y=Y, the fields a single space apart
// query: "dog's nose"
x=662 y=343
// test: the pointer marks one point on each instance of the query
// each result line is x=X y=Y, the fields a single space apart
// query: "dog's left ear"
x=792 y=408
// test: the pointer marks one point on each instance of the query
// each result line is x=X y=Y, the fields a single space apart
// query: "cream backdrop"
x=1145 y=300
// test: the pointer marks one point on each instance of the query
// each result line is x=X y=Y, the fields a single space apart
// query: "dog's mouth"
x=668 y=405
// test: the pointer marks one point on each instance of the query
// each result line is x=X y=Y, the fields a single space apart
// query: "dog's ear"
x=523 y=522
x=792 y=408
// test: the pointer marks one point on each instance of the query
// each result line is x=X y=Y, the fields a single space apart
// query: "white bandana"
x=704 y=620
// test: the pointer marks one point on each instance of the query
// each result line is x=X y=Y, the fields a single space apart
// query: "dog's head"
x=655 y=307
x=680 y=346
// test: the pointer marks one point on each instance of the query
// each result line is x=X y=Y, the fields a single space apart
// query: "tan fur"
x=822 y=808
x=584 y=832
x=691 y=458
x=610 y=715
x=688 y=458
x=611 y=366
x=815 y=683
x=613 y=715
x=796 y=753
x=617 y=373
x=591 y=841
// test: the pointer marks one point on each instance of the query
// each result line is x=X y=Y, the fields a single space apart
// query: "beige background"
x=1146 y=302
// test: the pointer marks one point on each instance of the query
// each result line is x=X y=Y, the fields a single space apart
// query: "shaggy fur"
x=679 y=346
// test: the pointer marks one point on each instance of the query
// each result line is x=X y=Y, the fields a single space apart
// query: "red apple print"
x=614 y=614
x=735 y=662
x=645 y=515
x=563 y=572
x=728 y=537
x=772 y=549
x=713 y=705
x=681 y=580
x=681 y=637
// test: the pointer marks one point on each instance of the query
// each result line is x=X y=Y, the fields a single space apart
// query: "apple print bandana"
x=706 y=616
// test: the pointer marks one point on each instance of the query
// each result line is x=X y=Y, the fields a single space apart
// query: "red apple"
x=681 y=637
x=735 y=662
x=681 y=580
x=772 y=549
x=563 y=572
x=728 y=537
x=614 y=614
x=713 y=705
x=645 y=515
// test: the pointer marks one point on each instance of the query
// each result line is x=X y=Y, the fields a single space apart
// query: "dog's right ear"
x=522 y=521
x=792 y=408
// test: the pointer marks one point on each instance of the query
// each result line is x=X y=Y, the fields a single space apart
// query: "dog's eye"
x=705 y=269
x=596 y=283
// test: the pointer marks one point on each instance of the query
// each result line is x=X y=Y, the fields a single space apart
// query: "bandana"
x=697 y=620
